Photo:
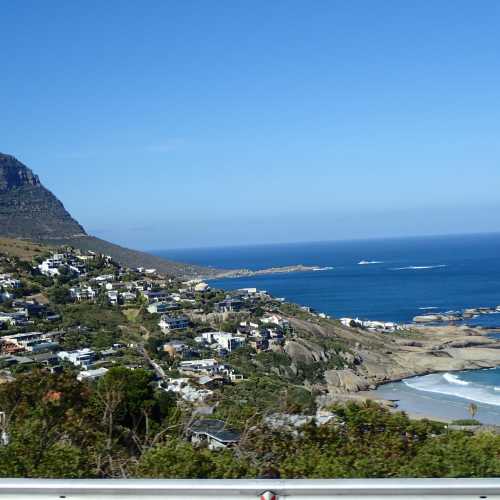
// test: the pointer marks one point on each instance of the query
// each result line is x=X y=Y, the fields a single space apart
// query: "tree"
x=59 y=295
x=178 y=459
x=472 y=409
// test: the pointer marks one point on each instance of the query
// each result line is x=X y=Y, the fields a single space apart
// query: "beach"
x=434 y=406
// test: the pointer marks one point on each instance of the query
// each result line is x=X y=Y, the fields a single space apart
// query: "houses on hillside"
x=58 y=262
x=380 y=326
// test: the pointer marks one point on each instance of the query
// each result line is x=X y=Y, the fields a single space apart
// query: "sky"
x=170 y=124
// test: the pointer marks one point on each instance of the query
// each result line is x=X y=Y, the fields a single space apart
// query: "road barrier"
x=263 y=489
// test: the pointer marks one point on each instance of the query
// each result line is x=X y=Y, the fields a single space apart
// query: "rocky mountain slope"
x=30 y=211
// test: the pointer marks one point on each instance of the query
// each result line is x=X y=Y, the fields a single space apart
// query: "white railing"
x=373 y=489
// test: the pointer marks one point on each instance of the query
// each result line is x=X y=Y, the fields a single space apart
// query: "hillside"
x=22 y=249
x=29 y=211
x=135 y=258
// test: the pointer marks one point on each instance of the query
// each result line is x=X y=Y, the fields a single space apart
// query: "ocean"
x=391 y=280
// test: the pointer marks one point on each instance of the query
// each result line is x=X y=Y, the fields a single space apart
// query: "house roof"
x=215 y=429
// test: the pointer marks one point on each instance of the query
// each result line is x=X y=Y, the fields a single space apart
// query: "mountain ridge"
x=28 y=210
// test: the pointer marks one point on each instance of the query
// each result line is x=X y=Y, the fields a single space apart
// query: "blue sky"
x=166 y=124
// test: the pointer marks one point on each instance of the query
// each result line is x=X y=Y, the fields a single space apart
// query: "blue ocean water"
x=405 y=277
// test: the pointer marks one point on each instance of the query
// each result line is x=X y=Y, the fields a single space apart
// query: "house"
x=30 y=342
x=118 y=285
x=275 y=319
x=82 y=357
x=47 y=358
x=7 y=281
x=229 y=304
x=91 y=374
x=350 y=322
x=370 y=325
x=128 y=296
x=207 y=366
x=113 y=297
x=103 y=279
x=260 y=344
x=161 y=307
x=170 y=323
x=13 y=319
x=185 y=390
x=83 y=293
x=157 y=296
x=224 y=340
x=175 y=348
x=201 y=287
x=50 y=267
x=214 y=433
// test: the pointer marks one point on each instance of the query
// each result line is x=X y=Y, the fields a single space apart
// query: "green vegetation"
x=122 y=427
x=125 y=424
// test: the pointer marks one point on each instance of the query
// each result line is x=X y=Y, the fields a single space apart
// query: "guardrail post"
x=268 y=495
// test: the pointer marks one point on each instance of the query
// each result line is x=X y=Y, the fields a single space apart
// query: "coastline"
x=388 y=359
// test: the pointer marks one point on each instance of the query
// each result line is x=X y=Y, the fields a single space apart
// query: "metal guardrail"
x=300 y=489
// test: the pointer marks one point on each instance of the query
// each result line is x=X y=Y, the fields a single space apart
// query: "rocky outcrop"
x=305 y=351
x=27 y=208
x=379 y=357
x=345 y=381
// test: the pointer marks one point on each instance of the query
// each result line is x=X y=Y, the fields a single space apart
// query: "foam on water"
x=451 y=385
x=453 y=379
x=417 y=268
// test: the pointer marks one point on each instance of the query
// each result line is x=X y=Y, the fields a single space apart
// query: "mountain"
x=30 y=211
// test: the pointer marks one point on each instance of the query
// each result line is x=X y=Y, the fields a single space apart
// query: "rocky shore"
x=247 y=273
x=379 y=358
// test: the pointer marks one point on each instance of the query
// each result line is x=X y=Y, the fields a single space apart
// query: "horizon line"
x=340 y=240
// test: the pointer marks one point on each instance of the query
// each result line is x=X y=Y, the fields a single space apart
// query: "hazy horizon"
x=156 y=251
x=236 y=124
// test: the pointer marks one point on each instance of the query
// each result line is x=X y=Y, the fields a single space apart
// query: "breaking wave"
x=453 y=379
x=428 y=307
x=368 y=262
x=416 y=268
x=452 y=385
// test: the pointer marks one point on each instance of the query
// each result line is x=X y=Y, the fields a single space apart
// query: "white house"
x=82 y=357
x=91 y=374
x=201 y=287
x=224 y=340
x=113 y=297
x=7 y=281
x=185 y=390
x=50 y=267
